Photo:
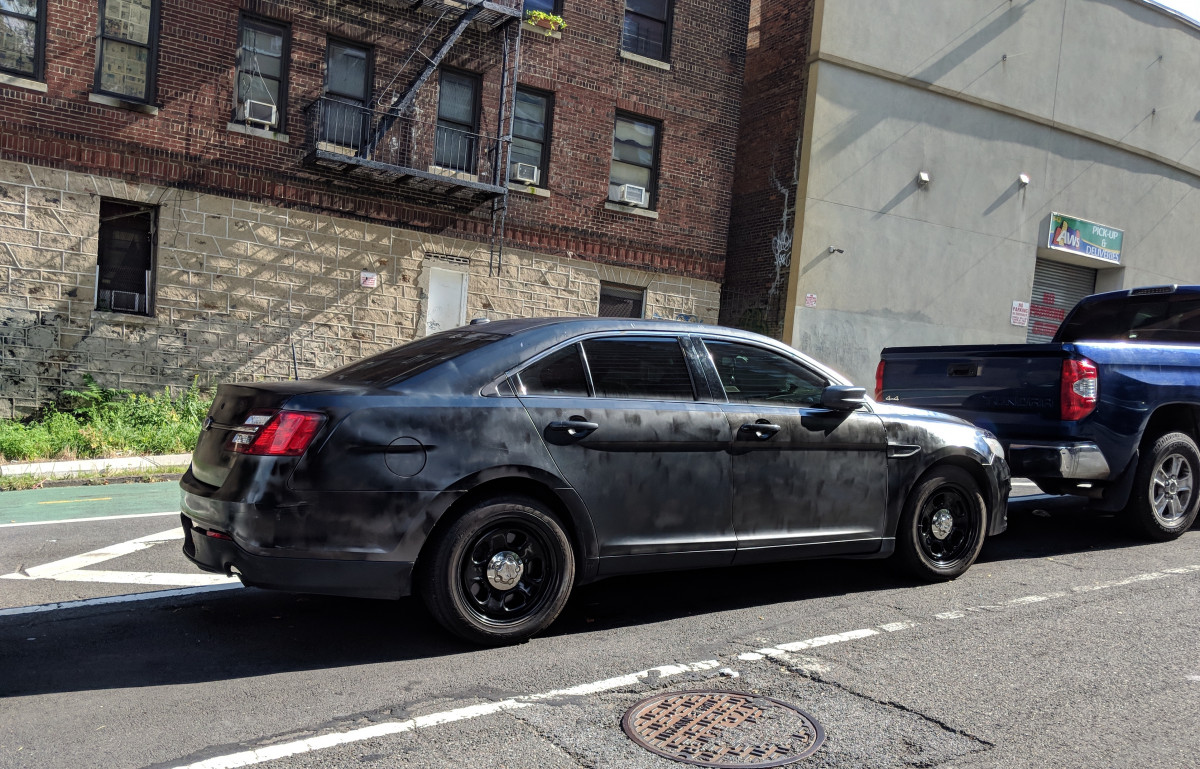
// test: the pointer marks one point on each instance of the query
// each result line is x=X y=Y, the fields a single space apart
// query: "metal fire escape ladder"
x=403 y=103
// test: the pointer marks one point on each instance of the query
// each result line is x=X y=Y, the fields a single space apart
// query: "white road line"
x=56 y=569
x=87 y=520
x=128 y=598
x=198 y=579
x=272 y=752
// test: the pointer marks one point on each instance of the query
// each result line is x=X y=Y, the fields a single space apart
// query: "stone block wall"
x=242 y=287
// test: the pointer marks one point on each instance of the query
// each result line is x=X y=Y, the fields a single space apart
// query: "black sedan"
x=494 y=467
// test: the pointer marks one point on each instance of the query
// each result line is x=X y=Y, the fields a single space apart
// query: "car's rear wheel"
x=1164 y=500
x=943 y=525
x=500 y=573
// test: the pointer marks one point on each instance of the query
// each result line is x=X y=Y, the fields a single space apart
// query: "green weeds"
x=103 y=422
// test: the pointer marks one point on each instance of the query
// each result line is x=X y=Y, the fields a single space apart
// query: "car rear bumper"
x=355 y=578
x=1082 y=461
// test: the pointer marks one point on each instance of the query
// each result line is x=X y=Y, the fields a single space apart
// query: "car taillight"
x=879 y=381
x=275 y=433
x=1080 y=389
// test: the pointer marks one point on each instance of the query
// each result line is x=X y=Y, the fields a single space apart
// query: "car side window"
x=755 y=375
x=647 y=368
x=560 y=373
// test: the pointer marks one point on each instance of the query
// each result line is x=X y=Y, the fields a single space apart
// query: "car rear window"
x=653 y=369
x=1153 y=319
x=400 y=363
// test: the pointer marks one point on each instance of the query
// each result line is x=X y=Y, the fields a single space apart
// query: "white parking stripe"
x=87 y=520
x=128 y=598
x=145 y=578
x=271 y=752
x=56 y=569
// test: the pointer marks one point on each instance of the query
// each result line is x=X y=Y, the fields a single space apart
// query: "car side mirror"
x=843 y=398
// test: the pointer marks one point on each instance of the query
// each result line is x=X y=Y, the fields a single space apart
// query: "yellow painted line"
x=69 y=501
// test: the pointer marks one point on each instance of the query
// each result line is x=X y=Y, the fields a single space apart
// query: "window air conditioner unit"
x=631 y=193
x=260 y=112
x=527 y=172
x=126 y=301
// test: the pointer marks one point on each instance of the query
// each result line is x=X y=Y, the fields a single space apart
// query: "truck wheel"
x=501 y=573
x=1164 y=500
x=943 y=526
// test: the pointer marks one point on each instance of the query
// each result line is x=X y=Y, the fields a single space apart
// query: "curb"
x=79 y=467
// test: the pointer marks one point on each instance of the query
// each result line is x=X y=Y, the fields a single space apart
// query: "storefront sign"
x=1020 y=314
x=1078 y=236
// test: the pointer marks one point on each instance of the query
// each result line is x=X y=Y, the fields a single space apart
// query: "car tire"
x=500 y=573
x=1164 y=500
x=943 y=525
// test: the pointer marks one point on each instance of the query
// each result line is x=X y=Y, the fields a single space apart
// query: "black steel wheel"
x=943 y=526
x=1164 y=500
x=500 y=573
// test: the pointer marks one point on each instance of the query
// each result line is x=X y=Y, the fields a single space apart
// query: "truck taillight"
x=275 y=433
x=1080 y=389
x=879 y=381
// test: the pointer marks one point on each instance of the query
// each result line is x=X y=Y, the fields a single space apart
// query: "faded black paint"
x=653 y=485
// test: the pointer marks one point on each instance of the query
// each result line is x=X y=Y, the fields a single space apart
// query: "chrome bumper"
x=1082 y=461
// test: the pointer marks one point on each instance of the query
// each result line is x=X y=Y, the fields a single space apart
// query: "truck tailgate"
x=1010 y=389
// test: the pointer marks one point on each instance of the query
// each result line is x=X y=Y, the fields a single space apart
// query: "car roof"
x=524 y=338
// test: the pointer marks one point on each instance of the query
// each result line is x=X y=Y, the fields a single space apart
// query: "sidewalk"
x=75 y=468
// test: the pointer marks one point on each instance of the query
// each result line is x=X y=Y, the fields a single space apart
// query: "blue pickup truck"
x=1109 y=409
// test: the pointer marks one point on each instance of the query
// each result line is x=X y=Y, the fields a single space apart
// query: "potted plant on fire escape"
x=547 y=21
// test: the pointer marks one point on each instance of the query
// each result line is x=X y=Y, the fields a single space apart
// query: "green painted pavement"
x=78 y=502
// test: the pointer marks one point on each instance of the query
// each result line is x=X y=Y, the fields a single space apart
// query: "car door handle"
x=574 y=428
x=761 y=430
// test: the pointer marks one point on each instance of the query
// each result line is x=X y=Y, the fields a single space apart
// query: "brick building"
x=768 y=165
x=264 y=188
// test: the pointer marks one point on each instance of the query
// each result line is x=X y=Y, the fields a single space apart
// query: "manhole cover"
x=723 y=729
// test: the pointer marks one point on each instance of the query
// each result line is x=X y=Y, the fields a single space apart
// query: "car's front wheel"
x=500 y=573
x=943 y=525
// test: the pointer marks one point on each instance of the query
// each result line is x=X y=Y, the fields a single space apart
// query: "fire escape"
x=386 y=140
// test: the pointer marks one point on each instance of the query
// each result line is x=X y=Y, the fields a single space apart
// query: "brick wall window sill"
x=452 y=174
x=124 y=317
x=631 y=210
x=23 y=82
x=663 y=65
x=526 y=189
x=262 y=133
x=541 y=31
x=132 y=106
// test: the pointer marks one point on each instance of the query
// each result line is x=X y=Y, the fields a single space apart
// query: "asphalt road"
x=1068 y=644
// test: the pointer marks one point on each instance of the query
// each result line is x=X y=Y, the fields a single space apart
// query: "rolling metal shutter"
x=1057 y=288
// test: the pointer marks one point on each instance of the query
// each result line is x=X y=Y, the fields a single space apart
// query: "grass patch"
x=132 y=475
x=99 y=422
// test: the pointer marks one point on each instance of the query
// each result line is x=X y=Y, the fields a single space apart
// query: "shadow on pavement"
x=247 y=633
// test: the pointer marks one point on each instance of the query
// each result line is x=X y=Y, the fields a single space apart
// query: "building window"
x=621 y=301
x=23 y=37
x=546 y=6
x=458 y=121
x=347 y=87
x=647 y=28
x=125 y=261
x=262 y=74
x=530 y=154
x=128 y=49
x=632 y=178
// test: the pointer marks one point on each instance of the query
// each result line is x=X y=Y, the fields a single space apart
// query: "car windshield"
x=1153 y=319
x=400 y=363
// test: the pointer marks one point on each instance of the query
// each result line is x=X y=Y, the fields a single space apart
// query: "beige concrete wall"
x=975 y=94
x=238 y=284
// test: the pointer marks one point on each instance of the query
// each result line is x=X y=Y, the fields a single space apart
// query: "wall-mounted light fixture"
x=923 y=179
x=1023 y=180
x=836 y=250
